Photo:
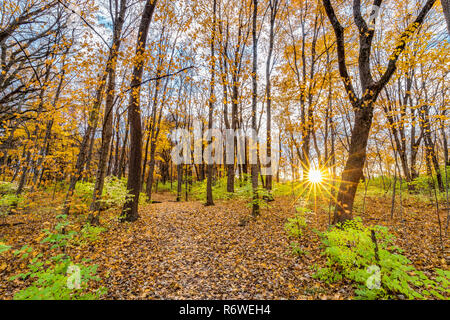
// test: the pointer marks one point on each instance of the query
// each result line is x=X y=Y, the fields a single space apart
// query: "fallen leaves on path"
x=184 y=250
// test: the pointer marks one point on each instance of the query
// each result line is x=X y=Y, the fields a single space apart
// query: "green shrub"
x=165 y=187
x=219 y=189
x=60 y=236
x=4 y=247
x=114 y=193
x=286 y=188
x=377 y=267
x=295 y=228
x=9 y=202
x=57 y=278
x=7 y=187
x=91 y=233
x=83 y=191
x=242 y=190
x=261 y=200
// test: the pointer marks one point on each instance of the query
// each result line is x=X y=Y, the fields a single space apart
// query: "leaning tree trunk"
x=107 y=130
x=81 y=158
x=353 y=171
x=370 y=90
x=130 y=208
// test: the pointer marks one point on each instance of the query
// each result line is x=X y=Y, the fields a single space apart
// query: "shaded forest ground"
x=184 y=250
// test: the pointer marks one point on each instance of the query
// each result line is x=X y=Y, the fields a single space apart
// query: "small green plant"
x=166 y=187
x=7 y=188
x=261 y=200
x=91 y=233
x=57 y=277
x=114 y=193
x=4 y=247
x=295 y=228
x=60 y=236
x=9 y=202
x=368 y=257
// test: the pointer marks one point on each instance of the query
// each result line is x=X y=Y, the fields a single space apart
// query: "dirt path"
x=184 y=250
x=188 y=251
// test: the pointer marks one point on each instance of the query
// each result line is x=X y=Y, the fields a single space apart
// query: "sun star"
x=315 y=176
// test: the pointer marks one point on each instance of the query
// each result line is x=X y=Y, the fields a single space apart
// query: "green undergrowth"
x=114 y=194
x=54 y=276
x=368 y=257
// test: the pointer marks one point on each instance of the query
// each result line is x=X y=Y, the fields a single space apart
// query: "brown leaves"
x=184 y=250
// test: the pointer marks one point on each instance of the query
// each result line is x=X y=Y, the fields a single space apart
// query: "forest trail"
x=189 y=251
x=185 y=250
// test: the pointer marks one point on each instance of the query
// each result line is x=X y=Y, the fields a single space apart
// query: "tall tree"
x=212 y=99
x=107 y=128
x=363 y=106
x=254 y=166
x=274 y=7
x=130 y=208
x=446 y=8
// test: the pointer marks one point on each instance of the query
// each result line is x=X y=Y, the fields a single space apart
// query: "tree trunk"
x=123 y=152
x=115 y=170
x=353 y=170
x=107 y=129
x=179 y=181
x=209 y=166
x=430 y=146
x=446 y=8
x=254 y=166
x=273 y=13
x=130 y=208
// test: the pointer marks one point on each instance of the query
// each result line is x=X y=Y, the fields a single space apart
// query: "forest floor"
x=184 y=250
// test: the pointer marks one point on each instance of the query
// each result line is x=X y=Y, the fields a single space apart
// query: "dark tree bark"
x=107 y=129
x=430 y=152
x=446 y=8
x=444 y=137
x=123 y=152
x=254 y=166
x=115 y=170
x=273 y=5
x=363 y=106
x=146 y=148
x=179 y=181
x=209 y=167
x=130 y=208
